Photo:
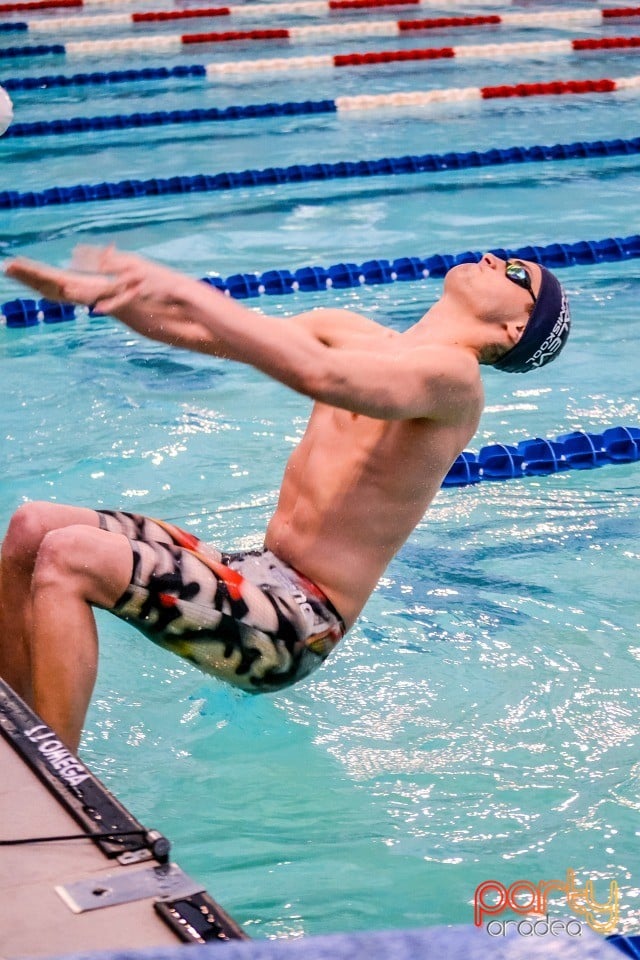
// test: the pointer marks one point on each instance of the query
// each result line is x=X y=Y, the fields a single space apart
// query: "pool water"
x=482 y=719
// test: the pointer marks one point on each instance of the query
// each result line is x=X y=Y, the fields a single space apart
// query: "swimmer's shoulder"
x=336 y=326
x=452 y=381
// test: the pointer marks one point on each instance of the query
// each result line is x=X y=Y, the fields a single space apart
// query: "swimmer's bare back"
x=392 y=411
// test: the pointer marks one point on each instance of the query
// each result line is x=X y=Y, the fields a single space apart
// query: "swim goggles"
x=518 y=273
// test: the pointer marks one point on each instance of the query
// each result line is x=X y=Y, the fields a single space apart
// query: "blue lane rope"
x=35 y=50
x=99 y=77
x=306 y=173
x=242 y=286
x=538 y=457
x=163 y=118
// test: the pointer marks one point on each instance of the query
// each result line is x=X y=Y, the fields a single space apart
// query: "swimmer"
x=391 y=412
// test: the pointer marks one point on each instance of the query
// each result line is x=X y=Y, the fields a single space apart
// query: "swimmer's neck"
x=445 y=325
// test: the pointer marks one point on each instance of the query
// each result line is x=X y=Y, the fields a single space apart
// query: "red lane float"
x=565 y=18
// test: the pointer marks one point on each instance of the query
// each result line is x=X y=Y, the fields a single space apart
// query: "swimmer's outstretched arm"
x=168 y=306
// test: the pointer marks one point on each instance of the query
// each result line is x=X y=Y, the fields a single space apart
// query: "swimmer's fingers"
x=88 y=258
x=62 y=286
x=117 y=299
x=159 y=283
x=153 y=285
x=38 y=276
x=109 y=260
x=160 y=289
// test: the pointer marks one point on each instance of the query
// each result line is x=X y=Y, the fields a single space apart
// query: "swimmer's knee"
x=32 y=522
x=64 y=556
x=27 y=528
x=85 y=561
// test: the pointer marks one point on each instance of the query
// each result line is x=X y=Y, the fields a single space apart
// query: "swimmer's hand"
x=149 y=298
x=89 y=283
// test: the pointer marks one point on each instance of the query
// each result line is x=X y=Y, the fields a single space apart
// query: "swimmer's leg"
x=76 y=567
x=27 y=528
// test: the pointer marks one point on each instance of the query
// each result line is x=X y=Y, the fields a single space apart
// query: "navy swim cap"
x=546 y=331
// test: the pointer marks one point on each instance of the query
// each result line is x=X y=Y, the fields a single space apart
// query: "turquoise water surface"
x=482 y=720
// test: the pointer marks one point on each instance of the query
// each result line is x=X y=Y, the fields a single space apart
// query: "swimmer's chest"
x=393 y=441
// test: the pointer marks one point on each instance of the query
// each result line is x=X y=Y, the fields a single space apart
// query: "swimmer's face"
x=489 y=292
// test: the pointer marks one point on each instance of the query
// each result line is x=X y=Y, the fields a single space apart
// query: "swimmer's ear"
x=515 y=329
